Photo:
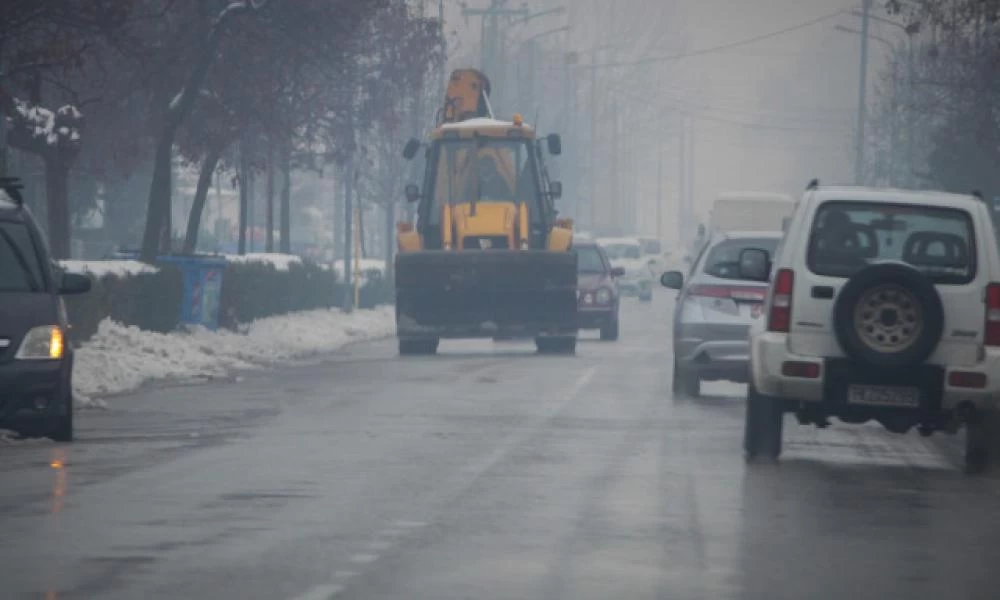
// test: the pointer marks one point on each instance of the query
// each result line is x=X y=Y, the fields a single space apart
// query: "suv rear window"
x=723 y=259
x=847 y=236
x=20 y=269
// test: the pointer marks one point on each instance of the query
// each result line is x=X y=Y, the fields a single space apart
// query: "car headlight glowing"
x=588 y=298
x=42 y=343
x=603 y=296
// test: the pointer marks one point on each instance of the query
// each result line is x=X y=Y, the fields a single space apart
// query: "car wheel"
x=888 y=316
x=62 y=427
x=417 y=347
x=763 y=424
x=609 y=333
x=979 y=443
x=556 y=345
x=686 y=384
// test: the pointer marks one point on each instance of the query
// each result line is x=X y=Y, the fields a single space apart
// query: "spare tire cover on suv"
x=888 y=315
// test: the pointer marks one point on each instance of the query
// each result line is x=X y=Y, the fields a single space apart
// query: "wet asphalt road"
x=484 y=472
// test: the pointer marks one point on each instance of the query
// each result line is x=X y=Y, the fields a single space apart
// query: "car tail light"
x=991 y=332
x=967 y=379
x=780 y=317
x=803 y=370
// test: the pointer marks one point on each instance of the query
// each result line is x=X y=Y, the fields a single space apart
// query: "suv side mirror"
x=618 y=271
x=410 y=150
x=672 y=279
x=755 y=264
x=74 y=283
x=555 y=189
x=412 y=192
x=555 y=144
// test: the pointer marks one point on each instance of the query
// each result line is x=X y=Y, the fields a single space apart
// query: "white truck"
x=751 y=211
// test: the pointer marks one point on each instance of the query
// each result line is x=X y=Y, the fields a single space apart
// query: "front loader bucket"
x=485 y=293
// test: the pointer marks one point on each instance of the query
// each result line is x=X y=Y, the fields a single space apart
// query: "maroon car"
x=597 y=292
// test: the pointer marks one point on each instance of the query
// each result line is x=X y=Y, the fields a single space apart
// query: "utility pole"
x=659 y=180
x=491 y=45
x=348 y=230
x=859 y=152
x=592 y=150
x=615 y=190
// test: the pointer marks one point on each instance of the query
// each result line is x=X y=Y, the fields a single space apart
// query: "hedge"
x=250 y=291
x=148 y=300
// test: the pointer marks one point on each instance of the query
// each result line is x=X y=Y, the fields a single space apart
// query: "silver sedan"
x=714 y=311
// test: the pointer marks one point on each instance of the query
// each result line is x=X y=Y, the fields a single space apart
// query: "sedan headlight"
x=603 y=296
x=42 y=343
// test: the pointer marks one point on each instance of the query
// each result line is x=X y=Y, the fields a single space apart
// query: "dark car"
x=597 y=291
x=36 y=359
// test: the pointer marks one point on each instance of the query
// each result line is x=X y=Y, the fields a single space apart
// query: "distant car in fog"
x=597 y=290
x=627 y=254
x=714 y=311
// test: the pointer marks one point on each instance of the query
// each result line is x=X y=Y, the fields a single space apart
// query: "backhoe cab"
x=487 y=256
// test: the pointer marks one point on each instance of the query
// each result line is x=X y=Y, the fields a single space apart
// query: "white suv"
x=884 y=305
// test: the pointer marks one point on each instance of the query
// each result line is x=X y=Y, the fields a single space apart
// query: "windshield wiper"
x=21 y=260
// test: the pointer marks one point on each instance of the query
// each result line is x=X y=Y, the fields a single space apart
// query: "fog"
x=743 y=96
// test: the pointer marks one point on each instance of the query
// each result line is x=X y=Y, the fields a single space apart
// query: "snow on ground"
x=120 y=359
x=368 y=266
x=281 y=262
x=100 y=268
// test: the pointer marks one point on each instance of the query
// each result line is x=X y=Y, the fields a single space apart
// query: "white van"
x=751 y=211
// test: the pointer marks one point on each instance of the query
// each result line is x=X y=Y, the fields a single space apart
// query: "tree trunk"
x=269 y=220
x=286 y=201
x=244 y=199
x=57 y=200
x=159 y=196
x=361 y=230
x=208 y=166
x=390 y=235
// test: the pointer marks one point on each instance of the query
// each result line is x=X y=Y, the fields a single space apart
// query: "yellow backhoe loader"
x=487 y=256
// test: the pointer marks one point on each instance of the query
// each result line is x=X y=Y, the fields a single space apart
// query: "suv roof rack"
x=814 y=184
x=13 y=187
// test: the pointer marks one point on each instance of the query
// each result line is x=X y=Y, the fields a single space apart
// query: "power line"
x=714 y=49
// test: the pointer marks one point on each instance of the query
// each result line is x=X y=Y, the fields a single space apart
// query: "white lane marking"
x=379 y=546
x=321 y=592
x=411 y=524
x=518 y=439
x=344 y=574
x=363 y=558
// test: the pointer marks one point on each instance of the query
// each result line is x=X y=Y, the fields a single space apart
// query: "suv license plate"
x=883 y=395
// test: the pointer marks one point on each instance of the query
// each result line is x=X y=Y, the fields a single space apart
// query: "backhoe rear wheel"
x=417 y=347
x=556 y=345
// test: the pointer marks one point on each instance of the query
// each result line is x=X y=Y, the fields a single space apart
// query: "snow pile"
x=50 y=127
x=371 y=268
x=101 y=268
x=280 y=262
x=120 y=359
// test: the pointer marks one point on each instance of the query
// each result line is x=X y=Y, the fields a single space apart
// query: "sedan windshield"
x=20 y=270
x=619 y=251
x=588 y=260
x=723 y=259
x=847 y=236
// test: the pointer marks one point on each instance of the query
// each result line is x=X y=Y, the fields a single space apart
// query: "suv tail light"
x=991 y=331
x=780 y=317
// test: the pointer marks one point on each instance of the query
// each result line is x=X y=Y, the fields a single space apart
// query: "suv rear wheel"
x=981 y=442
x=763 y=425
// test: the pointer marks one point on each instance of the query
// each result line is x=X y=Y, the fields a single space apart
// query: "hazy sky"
x=769 y=115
